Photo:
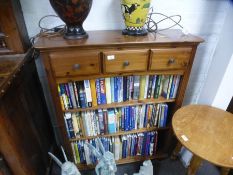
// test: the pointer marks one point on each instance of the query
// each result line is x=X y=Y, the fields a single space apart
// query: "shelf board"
x=122 y=104
x=127 y=160
x=121 y=133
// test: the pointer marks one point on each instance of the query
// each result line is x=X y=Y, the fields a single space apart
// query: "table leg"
x=194 y=165
x=176 y=151
x=225 y=171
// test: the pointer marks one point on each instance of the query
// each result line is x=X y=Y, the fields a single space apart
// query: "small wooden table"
x=208 y=133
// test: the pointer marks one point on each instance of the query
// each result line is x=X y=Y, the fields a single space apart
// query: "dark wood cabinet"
x=25 y=131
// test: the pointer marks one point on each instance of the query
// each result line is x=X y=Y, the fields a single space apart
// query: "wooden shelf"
x=123 y=104
x=121 y=133
x=127 y=160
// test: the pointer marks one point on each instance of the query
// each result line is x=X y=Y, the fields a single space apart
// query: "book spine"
x=82 y=94
x=116 y=89
x=76 y=95
x=108 y=90
x=112 y=89
x=111 y=121
x=176 y=86
x=68 y=96
x=136 y=87
x=157 y=87
x=172 y=87
x=93 y=93
x=69 y=123
x=142 y=87
x=61 y=99
x=125 y=89
x=105 y=114
x=101 y=121
x=146 y=86
x=71 y=90
x=98 y=93
x=153 y=86
x=131 y=87
x=103 y=91
x=87 y=87
x=120 y=89
x=150 y=83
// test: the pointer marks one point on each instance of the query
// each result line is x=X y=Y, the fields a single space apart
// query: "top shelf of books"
x=104 y=93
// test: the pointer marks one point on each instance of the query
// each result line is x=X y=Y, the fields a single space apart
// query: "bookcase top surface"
x=115 y=38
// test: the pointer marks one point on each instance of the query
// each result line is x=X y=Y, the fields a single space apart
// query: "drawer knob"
x=76 y=66
x=126 y=63
x=171 y=61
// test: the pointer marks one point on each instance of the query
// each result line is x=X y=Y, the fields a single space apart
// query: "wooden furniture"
x=207 y=132
x=25 y=131
x=170 y=52
x=13 y=33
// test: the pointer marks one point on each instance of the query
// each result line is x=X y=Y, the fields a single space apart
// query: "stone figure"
x=106 y=162
x=67 y=168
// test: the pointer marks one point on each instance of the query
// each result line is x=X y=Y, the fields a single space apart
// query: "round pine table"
x=208 y=133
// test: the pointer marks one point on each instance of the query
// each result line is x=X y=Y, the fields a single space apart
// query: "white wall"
x=220 y=63
x=201 y=17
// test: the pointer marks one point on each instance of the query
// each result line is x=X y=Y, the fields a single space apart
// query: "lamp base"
x=135 y=32
x=75 y=32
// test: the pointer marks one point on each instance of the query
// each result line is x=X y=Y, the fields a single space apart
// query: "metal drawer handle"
x=171 y=61
x=76 y=66
x=126 y=63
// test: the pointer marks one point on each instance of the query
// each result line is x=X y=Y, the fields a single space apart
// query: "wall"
x=219 y=66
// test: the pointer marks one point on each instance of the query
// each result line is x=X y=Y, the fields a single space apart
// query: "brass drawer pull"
x=171 y=61
x=126 y=63
x=76 y=66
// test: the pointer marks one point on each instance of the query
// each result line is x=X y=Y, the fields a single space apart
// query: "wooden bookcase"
x=167 y=53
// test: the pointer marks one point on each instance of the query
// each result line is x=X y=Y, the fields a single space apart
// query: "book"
x=103 y=91
x=67 y=91
x=146 y=86
x=77 y=98
x=82 y=94
x=87 y=87
x=69 y=125
x=72 y=94
x=136 y=87
x=142 y=87
x=93 y=93
x=61 y=98
x=176 y=86
x=112 y=85
x=108 y=90
x=98 y=92
x=111 y=121
x=150 y=84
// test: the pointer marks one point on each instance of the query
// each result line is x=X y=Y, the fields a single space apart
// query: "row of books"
x=141 y=144
x=109 y=121
x=88 y=93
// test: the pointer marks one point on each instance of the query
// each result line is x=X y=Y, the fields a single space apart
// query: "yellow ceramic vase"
x=135 y=13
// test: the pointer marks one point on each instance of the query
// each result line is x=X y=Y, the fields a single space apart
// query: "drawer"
x=171 y=58
x=125 y=61
x=75 y=63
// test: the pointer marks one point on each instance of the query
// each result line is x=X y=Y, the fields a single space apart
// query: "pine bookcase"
x=167 y=53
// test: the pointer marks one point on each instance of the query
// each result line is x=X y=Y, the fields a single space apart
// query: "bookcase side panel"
x=55 y=96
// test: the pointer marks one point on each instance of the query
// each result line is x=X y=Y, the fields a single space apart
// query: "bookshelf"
x=108 y=54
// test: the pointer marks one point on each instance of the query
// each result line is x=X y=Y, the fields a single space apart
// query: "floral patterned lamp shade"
x=135 y=14
x=73 y=13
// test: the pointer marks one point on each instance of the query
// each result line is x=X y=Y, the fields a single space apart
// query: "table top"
x=207 y=132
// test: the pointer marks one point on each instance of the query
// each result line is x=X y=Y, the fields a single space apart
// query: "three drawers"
x=170 y=58
x=75 y=63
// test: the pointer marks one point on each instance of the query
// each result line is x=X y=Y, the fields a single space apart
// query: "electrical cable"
x=151 y=25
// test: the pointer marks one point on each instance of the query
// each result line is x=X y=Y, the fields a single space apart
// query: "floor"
x=164 y=167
